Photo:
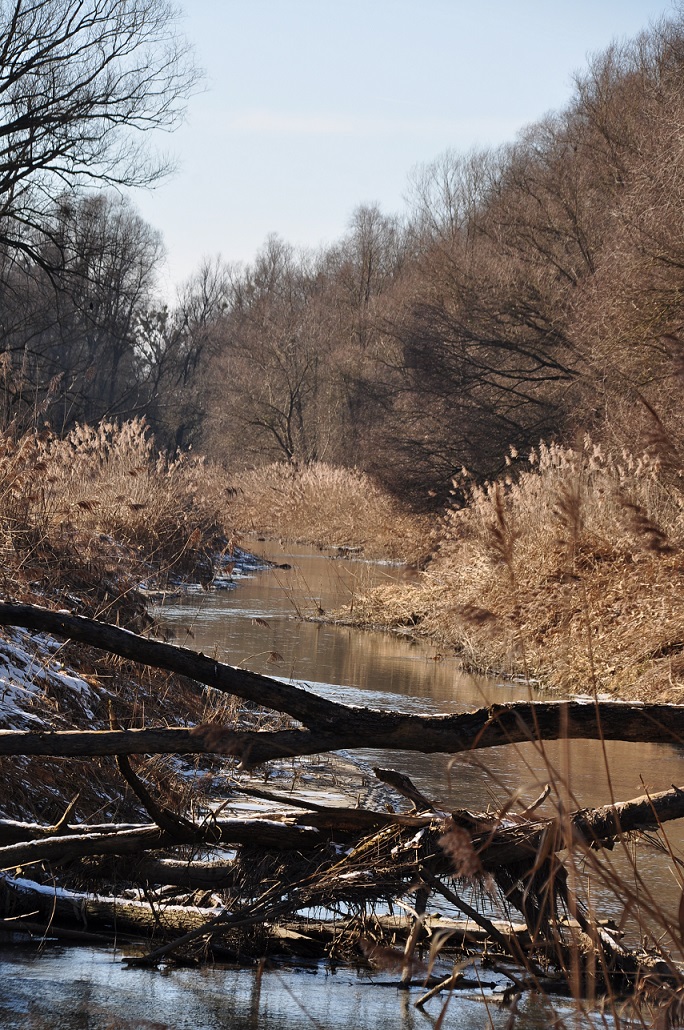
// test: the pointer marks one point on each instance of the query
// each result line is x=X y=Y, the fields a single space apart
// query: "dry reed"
x=82 y=521
x=570 y=572
x=99 y=510
x=332 y=507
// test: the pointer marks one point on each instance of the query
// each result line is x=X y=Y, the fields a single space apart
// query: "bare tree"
x=176 y=350
x=81 y=83
x=78 y=323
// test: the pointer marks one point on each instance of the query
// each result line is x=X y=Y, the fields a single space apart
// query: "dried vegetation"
x=98 y=511
x=570 y=570
x=328 y=506
x=83 y=521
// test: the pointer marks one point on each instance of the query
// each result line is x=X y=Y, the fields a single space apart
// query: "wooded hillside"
x=524 y=292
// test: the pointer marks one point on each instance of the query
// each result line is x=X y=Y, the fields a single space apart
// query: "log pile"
x=288 y=878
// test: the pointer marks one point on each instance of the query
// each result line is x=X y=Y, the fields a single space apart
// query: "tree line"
x=527 y=291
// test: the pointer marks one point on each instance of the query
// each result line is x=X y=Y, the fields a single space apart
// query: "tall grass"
x=82 y=521
x=328 y=506
x=101 y=504
x=569 y=569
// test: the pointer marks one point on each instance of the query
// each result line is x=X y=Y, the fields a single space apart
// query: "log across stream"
x=387 y=671
x=446 y=739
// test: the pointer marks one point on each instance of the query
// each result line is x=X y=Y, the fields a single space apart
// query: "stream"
x=262 y=624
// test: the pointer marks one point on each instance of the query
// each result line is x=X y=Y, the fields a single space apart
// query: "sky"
x=312 y=107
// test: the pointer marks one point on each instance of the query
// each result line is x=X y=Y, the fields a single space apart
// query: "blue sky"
x=311 y=107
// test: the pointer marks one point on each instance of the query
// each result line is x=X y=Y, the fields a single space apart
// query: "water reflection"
x=82 y=989
x=257 y=622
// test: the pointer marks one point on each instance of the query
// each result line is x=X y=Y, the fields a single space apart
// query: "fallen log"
x=295 y=701
x=453 y=934
x=49 y=930
x=591 y=827
x=14 y=831
x=496 y=845
x=494 y=726
x=193 y=874
x=18 y=896
x=190 y=873
x=329 y=725
x=268 y=834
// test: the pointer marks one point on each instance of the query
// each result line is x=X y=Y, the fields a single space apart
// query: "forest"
x=528 y=292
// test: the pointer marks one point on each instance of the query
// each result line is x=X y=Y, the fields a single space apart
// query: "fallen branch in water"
x=19 y=895
x=263 y=833
x=385 y=854
x=330 y=725
x=494 y=726
x=591 y=827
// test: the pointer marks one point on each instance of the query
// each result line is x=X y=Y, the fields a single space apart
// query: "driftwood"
x=495 y=845
x=20 y=896
x=264 y=833
x=589 y=827
x=191 y=873
x=493 y=726
x=423 y=869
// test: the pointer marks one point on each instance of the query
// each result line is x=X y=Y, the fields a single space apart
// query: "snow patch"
x=33 y=682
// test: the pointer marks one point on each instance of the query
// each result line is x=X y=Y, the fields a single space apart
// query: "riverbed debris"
x=320 y=881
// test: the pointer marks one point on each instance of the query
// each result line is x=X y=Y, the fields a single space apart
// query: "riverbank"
x=330 y=507
x=85 y=522
x=569 y=571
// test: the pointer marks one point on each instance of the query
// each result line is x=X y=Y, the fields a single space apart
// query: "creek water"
x=262 y=625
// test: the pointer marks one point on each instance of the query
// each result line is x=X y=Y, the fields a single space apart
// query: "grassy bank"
x=98 y=511
x=83 y=521
x=569 y=570
x=329 y=507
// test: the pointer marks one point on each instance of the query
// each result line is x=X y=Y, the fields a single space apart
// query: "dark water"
x=256 y=625
x=82 y=989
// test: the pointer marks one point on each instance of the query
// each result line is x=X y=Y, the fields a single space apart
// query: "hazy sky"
x=312 y=107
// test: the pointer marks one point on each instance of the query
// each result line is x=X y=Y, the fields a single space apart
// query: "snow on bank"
x=36 y=690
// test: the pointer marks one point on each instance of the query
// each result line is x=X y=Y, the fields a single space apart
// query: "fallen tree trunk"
x=382 y=865
x=494 y=726
x=191 y=873
x=49 y=931
x=13 y=831
x=496 y=846
x=18 y=896
x=281 y=697
x=589 y=826
x=330 y=726
x=264 y=833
